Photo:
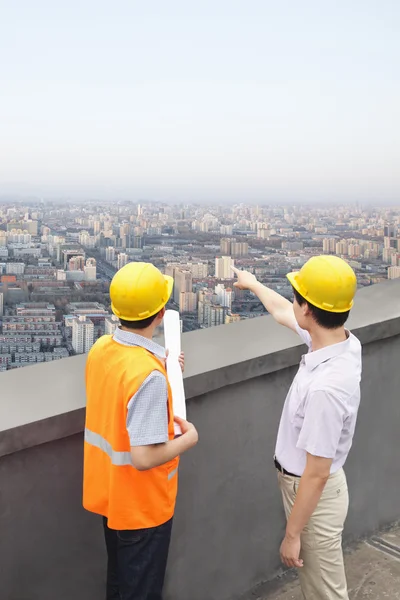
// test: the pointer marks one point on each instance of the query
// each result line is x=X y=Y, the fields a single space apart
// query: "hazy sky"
x=211 y=99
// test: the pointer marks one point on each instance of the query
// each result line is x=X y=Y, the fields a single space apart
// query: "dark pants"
x=137 y=561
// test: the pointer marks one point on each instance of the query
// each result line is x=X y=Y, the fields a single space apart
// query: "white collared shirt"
x=320 y=412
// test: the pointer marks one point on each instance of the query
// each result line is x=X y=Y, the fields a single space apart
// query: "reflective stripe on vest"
x=118 y=459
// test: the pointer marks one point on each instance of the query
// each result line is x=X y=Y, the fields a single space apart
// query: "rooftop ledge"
x=45 y=402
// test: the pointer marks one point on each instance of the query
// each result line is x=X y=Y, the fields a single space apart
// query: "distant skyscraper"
x=90 y=270
x=225 y=246
x=110 y=324
x=390 y=242
x=198 y=270
x=82 y=334
x=230 y=247
x=390 y=230
x=1 y=304
x=187 y=302
x=342 y=248
x=329 y=245
x=183 y=283
x=223 y=267
x=110 y=254
x=393 y=272
x=226 y=229
x=224 y=295
x=76 y=263
x=122 y=260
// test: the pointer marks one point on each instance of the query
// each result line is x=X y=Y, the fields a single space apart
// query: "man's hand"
x=290 y=552
x=181 y=360
x=245 y=280
x=189 y=431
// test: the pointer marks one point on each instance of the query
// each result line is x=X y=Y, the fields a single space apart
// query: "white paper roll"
x=172 y=335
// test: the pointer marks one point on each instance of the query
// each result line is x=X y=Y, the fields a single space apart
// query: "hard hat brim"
x=293 y=280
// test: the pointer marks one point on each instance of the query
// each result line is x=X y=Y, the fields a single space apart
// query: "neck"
x=147 y=333
x=326 y=337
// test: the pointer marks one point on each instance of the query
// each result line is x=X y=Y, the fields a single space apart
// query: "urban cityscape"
x=57 y=261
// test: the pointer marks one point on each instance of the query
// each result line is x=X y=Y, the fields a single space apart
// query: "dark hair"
x=324 y=318
x=139 y=324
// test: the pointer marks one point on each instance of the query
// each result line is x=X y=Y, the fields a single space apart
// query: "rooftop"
x=229 y=519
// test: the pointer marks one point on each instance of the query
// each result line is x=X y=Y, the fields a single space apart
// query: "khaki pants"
x=322 y=577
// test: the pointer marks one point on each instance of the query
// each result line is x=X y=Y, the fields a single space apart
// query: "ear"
x=305 y=310
x=161 y=314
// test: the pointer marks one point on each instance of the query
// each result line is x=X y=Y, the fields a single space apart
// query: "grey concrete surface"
x=371 y=574
x=229 y=521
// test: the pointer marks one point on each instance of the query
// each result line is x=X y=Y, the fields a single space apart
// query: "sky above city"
x=218 y=100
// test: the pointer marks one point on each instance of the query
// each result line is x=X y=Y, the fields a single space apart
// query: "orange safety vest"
x=130 y=499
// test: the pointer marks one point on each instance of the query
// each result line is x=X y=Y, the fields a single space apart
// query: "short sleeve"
x=305 y=336
x=324 y=417
x=147 y=418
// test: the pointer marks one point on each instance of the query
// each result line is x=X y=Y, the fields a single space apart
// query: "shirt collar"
x=313 y=359
x=128 y=338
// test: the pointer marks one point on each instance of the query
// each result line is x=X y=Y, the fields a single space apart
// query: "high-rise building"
x=225 y=246
x=82 y=334
x=226 y=229
x=223 y=267
x=395 y=260
x=76 y=263
x=224 y=295
x=198 y=270
x=239 y=248
x=230 y=247
x=387 y=254
x=187 y=302
x=390 y=231
x=122 y=260
x=110 y=254
x=90 y=269
x=342 y=248
x=354 y=250
x=110 y=324
x=183 y=283
x=394 y=273
x=66 y=252
x=390 y=242
x=216 y=315
x=329 y=245
x=171 y=268
x=204 y=296
x=1 y=304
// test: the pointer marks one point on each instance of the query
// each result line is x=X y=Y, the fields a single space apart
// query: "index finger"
x=235 y=270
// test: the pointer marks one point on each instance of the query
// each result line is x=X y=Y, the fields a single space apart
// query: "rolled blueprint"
x=172 y=336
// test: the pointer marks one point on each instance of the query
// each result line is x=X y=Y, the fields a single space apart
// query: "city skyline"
x=213 y=102
x=57 y=261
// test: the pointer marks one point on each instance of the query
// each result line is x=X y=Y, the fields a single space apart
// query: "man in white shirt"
x=318 y=420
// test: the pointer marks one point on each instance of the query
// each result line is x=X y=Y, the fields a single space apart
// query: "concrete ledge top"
x=40 y=403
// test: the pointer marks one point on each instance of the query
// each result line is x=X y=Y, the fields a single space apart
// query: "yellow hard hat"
x=139 y=291
x=326 y=282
